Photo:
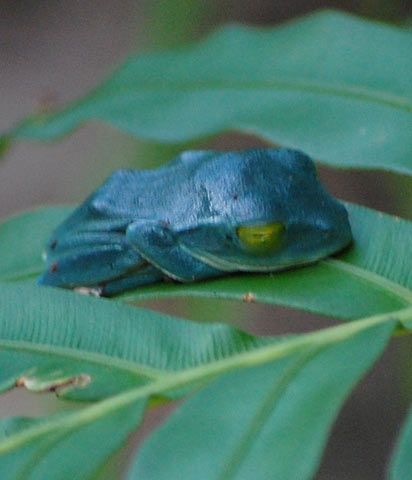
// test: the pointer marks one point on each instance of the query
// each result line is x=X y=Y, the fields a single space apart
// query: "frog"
x=202 y=215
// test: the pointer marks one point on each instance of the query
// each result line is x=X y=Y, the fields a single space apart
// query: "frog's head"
x=266 y=211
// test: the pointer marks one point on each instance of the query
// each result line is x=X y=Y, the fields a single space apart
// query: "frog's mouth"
x=282 y=261
x=231 y=265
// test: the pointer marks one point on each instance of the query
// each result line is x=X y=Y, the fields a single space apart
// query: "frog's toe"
x=89 y=291
x=89 y=267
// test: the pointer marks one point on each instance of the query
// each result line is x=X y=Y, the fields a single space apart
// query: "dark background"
x=54 y=51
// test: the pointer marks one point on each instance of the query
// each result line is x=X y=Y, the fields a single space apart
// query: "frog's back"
x=131 y=193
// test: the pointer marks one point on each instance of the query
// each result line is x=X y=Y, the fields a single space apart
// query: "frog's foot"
x=140 y=274
x=89 y=266
x=144 y=276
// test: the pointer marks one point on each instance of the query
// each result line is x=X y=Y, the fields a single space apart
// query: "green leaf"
x=88 y=348
x=302 y=84
x=69 y=450
x=22 y=449
x=401 y=463
x=261 y=423
x=374 y=276
x=23 y=238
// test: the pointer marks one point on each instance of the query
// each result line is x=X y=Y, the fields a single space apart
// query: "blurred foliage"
x=349 y=116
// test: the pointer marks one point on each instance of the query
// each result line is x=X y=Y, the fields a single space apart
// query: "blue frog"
x=204 y=214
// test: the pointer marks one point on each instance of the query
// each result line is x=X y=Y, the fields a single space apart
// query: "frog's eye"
x=261 y=239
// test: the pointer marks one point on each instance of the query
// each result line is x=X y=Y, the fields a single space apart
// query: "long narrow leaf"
x=66 y=453
x=90 y=348
x=373 y=276
x=43 y=438
x=302 y=84
x=267 y=422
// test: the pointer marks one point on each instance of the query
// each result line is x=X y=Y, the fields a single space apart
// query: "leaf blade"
x=51 y=337
x=302 y=84
x=66 y=452
x=372 y=277
x=11 y=448
x=299 y=398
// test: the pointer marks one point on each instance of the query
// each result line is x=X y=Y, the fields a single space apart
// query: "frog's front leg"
x=160 y=246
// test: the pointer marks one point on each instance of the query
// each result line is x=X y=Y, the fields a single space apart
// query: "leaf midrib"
x=359 y=92
x=193 y=375
x=268 y=404
x=82 y=356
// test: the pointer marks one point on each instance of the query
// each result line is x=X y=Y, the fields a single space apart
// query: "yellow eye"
x=261 y=239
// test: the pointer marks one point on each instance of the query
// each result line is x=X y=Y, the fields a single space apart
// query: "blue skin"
x=181 y=221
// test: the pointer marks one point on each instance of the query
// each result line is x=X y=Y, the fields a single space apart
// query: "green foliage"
x=33 y=441
x=108 y=346
x=303 y=84
x=64 y=446
x=256 y=432
x=254 y=402
x=355 y=284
